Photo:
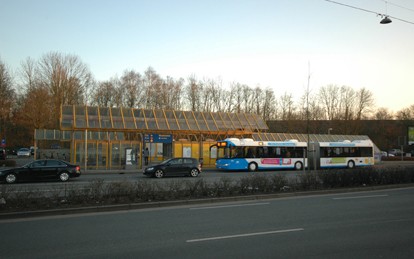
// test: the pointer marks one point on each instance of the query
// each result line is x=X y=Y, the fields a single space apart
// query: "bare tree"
x=192 y=91
x=170 y=94
x=257 y=102
x=34 y=104
x=67 y=79
x=328 y=96
x=346 y=103
x=364 y=103
x=7 y=97
x=104 y=94
x=228 y=100
x=153 y=83
x=28 y=74
x=406 y=113
x=237 y=97
x=287 y=107
x=245 y=99
x=207 y=95
x=269 y=105
x=118 y=98
x=219 y=97
x=132 y=88
x=383 y=114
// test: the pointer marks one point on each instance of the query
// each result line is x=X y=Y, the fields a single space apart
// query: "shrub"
x=197 y=189
x=279 y=183
x=224 y=187
x=308 y=181
x=117 y=192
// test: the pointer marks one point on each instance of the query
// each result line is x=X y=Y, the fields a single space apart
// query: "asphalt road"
x=378 y=224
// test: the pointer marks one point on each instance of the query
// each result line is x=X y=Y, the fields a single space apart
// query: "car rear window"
x=54 y=163
x=188 y=161
x=176 y=161
x=38 y=163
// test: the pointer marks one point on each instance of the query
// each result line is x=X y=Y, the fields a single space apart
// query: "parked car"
x=32 y=150
x=23 y=152
x=11 y=151
x=395 y=152
x=44 y=169
x=174 y=167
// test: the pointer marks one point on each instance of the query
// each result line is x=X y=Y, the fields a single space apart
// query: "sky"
x=275 y=44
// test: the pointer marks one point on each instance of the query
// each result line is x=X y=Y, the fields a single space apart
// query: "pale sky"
x=270 y=43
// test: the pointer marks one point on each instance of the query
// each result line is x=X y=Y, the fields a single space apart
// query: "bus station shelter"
x=114 y=138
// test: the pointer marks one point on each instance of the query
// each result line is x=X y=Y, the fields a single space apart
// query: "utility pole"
x=307 y=117
x=401 y=141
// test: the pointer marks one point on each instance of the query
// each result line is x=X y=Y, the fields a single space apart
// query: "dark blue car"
x=175 y=167
x=40 y=170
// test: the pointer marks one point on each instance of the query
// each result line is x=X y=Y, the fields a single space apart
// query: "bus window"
x=288 y=154
x=250 y=153
x=265 y=152
x=237 y=152
x=272 y=152
x=259 y=152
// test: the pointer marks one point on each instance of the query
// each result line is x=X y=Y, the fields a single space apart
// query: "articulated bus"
x=247 y=154
x=345 y=154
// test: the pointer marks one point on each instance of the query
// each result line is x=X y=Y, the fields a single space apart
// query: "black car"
x=174 y=167
x=41 y=170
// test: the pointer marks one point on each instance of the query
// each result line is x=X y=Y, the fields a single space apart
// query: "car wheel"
x=64 y=176
x=159 y=173
x=298 y=166
x=252 y=167
x=11 y=178
x=351 y=164
x=194 y=172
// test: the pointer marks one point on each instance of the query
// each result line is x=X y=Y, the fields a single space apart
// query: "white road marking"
x=245 y=235
x=361 y=197
x=230 y=206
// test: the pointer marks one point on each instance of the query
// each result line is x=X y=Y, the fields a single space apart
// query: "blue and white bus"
x=247 y=154
x=342 y=154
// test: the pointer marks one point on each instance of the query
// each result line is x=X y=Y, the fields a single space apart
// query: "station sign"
x=158 y=138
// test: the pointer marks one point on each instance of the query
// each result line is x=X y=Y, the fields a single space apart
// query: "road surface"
x=377 y=224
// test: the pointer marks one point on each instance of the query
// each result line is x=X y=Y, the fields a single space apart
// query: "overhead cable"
x=369 y=11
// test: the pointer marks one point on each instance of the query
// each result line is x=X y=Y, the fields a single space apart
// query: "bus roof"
x=250 y=142
x=347 y=143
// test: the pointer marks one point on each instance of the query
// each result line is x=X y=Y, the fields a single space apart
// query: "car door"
x=35 y=169
x=187 y=165
x=175 y=166
x=50 y=170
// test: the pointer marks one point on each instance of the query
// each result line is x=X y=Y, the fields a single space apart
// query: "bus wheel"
x=298 y=166
x=351 y=164
x=252 y=167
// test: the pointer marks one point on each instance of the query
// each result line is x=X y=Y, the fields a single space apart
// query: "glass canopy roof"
x=131 y=119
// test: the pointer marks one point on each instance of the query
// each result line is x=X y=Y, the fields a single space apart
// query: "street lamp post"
x=329 y=131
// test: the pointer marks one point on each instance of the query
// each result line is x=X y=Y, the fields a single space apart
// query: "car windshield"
x=27 y=165
x=166 y=161
x=36 y=163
